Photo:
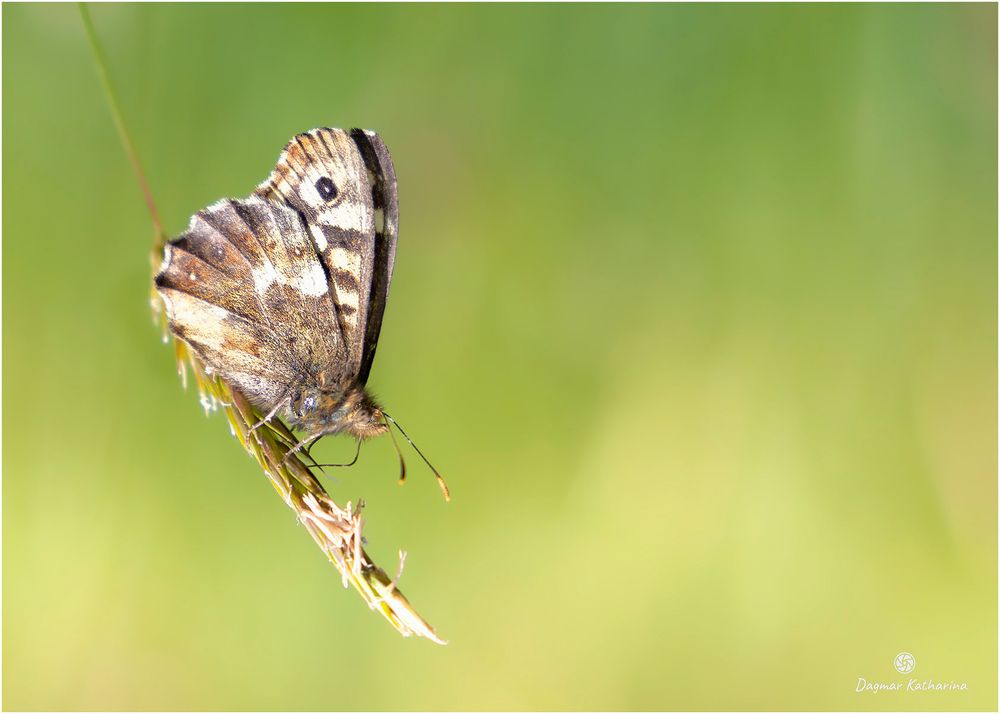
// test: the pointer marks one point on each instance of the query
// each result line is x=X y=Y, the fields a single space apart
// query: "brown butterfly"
x=282 y=293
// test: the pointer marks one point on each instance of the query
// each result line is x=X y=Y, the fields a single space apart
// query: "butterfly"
x=282 y=293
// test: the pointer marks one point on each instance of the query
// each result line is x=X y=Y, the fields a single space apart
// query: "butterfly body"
x=317 y=410
x=282 y=293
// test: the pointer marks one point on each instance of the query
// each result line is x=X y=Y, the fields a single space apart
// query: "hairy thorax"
x=319 y=410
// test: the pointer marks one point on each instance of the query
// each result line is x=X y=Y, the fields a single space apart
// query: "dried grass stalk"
x=336 y=530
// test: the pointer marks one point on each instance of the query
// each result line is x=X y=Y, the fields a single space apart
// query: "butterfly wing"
x=344 y=186
x=245 y=288
x=382 y=176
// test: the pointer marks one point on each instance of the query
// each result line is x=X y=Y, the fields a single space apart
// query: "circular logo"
x=904 y=663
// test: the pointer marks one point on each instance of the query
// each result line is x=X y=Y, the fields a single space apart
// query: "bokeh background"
x=695 y=306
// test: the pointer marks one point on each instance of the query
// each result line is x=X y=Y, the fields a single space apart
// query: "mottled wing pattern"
x=344 y=185
x=245 y=288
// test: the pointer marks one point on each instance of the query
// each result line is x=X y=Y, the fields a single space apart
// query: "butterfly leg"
x=288 y=443
x=270 y=415
x=353 y=461
x=304 y=444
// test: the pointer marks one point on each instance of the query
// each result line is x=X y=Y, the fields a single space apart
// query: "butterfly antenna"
x=440 y=479
x=395 y=444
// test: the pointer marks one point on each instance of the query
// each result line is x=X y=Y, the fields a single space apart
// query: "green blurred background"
x=695 y=306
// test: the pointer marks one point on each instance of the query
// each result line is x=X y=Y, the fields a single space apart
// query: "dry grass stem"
x=337 y=531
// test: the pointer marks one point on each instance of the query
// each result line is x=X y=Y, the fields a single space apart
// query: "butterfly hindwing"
x=386 y=203
x=246 y=289
x=344 y=186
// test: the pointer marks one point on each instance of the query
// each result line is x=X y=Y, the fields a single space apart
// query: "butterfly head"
x=332 y=412
x=321 y=411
